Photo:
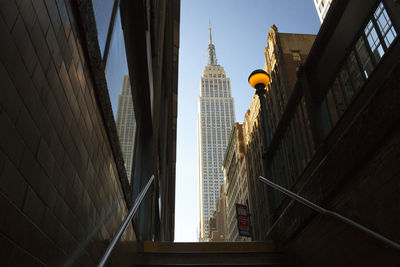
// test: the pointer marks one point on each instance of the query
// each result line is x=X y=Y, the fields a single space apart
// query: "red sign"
x=243 y=219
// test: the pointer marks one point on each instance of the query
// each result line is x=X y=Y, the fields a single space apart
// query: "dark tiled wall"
x=60 y=195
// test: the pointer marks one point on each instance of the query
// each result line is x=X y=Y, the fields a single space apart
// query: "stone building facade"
x=253 y=139
x=232 y=167
x=284 y=54
x=218 y=220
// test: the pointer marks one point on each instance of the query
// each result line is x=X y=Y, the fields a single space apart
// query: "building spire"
x=209 y=29
x=212 y=58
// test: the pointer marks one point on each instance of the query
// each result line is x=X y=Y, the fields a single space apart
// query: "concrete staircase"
x=199 y=254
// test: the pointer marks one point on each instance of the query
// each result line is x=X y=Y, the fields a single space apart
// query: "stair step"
x=197 y=265
x=267 y=246
x=201 y=254
x=211 y=259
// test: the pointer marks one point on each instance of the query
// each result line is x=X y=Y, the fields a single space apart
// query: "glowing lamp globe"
x=259 y=79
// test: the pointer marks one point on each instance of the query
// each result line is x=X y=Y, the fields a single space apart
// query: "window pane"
x=346 y=84
x=339 y=98
x=373 y=39
x=366 y=62
x=332 y=108
x=383 y=22
x=385 y=25
x=116 y=67
x=374 y=42
x=120 y=93
x=378 y=10
x=355 y=73
x=389 y=37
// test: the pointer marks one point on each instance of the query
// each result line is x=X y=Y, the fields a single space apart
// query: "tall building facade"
x=126 y=125
x=253 y=140
x=322 y=7
x=284 y=54
x=232 y=167
x=218 y=220
x=215 y=119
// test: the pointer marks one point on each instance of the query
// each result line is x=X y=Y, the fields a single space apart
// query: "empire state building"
x=215 y=119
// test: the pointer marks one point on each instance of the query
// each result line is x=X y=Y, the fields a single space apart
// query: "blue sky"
x=239 y=32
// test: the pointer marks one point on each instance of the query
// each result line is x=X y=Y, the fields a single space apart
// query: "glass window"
x=338 y=97
x=296 y=55
x=119 y=86
x=346 y=84
x=117 y=66
x=325 y=121
x=365 y=59
x=385 y=25
x=355 y=72
x=373 y=41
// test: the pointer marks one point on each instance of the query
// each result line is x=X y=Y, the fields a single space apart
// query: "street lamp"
x=259 y=80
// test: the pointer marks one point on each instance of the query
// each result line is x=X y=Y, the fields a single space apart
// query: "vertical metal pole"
x=261 y=96
x=260 y=91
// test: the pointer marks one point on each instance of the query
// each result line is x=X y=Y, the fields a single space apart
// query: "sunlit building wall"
x=232 y=166
x=284 y=54
x=218 y=220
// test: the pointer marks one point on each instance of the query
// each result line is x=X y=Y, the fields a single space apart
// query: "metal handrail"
x=123 y=226
x=331 y=213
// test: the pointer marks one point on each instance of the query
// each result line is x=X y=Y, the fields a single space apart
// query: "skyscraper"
x=215 y=119
x=322 y=7
x=126 y=124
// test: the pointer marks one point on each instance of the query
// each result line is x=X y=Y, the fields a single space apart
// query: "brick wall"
x=60 y=194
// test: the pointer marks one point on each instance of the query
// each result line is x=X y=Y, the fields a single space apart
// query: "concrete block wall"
x=60 y=195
